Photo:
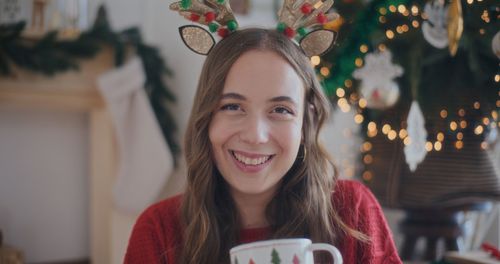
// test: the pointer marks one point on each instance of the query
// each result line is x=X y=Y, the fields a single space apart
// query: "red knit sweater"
x=156 y=236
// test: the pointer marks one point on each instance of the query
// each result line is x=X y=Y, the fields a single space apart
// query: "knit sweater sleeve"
x=156 y=235
x=145 y=244
x=360 y=210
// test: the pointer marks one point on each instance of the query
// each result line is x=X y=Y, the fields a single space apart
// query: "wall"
x=43 y=183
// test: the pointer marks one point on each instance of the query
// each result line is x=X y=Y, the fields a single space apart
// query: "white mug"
x=293 y=251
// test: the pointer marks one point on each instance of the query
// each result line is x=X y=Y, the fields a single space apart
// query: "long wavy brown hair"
x=302 y=206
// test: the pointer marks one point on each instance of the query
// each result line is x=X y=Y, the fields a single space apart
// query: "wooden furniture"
x=76 y=91
x=433 y=225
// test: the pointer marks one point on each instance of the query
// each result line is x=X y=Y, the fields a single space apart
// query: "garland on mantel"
x=50 y=55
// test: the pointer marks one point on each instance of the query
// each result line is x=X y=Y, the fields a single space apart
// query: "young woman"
x=255 y=167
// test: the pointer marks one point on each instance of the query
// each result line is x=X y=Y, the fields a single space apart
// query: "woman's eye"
x=230 y=107
x=282 y=110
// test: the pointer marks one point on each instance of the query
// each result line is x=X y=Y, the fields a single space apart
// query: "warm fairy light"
x=359 y=118
x=497 y=78
x=325 y=71
x=403 y=133
x=348 y=83
x=392 y=135
x=453 y=125
x=479 y=130
x=362 y=102
x=428 y=146
x=482 y=31
x=368 y=159
x=459 y=144
x=484 y=145
x=470 y=2
x=486 y=121
x=440 y=136
x=494 y=114
x=443 y=113
x=460 y=135
x=367 y=175
x=386 y=128
x=392 y=8
x=401 y=9
x=382 y=19
x=485 y=16
x=405 y=28
x=463 y=124
x=363 y=48
x=382 y=11
x=372 y=126
x=315 y=60
x=414 y=10
x=498 y=103
x=415 y=23
x=344 y=105
x=407 y=141
x=354 y=97
x=358 y=62
x=477 y=105
x=367 y=146
x=406 y=12
x=399 y=29
x=372 y=133
x=340 y=92
x=438 y=146
x=461 y=112
x=390 y=34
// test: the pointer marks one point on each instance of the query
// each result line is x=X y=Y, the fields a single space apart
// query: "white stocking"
x=145 y=161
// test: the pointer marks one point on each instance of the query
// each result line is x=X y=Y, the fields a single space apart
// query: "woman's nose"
x=255 y=130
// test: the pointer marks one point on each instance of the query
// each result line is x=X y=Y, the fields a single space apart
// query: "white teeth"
x=250 y=161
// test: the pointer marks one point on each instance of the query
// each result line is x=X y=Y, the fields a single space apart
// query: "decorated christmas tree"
x=424 y=79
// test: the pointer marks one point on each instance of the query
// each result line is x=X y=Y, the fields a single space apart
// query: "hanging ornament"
x=377 y=84
x=415 y=151
x=455 y=26
x=434 y=29
x=495 y=44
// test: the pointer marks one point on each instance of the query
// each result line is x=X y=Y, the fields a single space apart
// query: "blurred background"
x=85 y=145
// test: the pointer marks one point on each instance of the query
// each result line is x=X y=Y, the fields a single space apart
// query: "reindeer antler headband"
x=304 y=17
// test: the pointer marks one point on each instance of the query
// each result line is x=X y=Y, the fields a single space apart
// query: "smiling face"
x=255 y=132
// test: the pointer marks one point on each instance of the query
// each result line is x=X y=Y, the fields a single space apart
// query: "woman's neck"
x=252 y=208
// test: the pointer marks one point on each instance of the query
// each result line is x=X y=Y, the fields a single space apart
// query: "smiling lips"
x=248 y=160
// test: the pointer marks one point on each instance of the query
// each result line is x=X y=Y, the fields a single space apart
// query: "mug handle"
x=337 y=258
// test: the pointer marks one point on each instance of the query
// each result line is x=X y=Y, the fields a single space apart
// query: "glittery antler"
x=303 y=15
x=216 y=14
x=298 y=14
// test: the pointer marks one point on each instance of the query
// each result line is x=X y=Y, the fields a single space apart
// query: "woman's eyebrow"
x=233 y=96
x=283 y=98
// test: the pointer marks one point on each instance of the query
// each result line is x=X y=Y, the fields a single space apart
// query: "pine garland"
x=50 y=56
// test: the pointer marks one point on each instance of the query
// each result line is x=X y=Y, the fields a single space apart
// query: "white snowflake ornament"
x=434 y=29
x=377 y=84
x=415 y=151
